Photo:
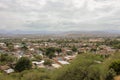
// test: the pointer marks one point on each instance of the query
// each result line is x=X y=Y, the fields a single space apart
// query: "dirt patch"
x=117 y=78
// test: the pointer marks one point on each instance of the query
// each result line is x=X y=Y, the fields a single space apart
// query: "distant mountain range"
x=53 y=32
x=15 y=33
x=24 y=32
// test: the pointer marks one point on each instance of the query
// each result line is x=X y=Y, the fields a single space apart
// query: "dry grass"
x=117 y=78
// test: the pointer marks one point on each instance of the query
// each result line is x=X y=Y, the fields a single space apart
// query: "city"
x=59 y=40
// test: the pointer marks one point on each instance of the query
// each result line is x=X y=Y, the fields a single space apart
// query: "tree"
x=58 y=50
x=50 y=52
x=74 y=49
x=38 y=57
x=23 y=64
x=6 y=58
x=115 y=66
x=10 y=46
x=113 y=43
x=24 y=46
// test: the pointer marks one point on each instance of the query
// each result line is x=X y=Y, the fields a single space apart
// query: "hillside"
x=84 y=67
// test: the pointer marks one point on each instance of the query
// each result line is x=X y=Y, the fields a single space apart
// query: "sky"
x=60 y=15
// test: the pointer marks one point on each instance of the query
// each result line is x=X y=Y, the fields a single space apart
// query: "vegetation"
x=58 y=50
x=50 y=52
x=114 y=43
x=24 y=46
x=96 y=60
x=37 y=57
x=115 y=66
x=85 y=67
x=23 y=64
x=36 y=74
x=74 y=49
x=48 y=62
x=6 y=58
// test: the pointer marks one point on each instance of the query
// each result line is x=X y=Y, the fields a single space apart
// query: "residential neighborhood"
x=52 y=53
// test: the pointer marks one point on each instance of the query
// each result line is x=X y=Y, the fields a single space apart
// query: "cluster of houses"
x=63 y=58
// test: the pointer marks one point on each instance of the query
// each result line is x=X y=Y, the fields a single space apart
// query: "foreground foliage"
x=85 y=67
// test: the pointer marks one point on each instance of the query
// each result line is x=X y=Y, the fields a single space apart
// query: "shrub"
x=23 y=64
x=115 y=66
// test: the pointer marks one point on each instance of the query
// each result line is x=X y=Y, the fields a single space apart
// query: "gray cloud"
x=60 y=14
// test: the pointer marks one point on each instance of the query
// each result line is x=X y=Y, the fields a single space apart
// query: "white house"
x=8 y=71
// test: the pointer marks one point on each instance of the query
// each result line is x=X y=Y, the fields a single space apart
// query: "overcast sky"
x=59 y=15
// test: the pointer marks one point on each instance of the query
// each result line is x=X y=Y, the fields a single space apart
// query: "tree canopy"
x=23 y=64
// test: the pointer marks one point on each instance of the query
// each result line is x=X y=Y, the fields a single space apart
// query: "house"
x=63 y=62
x=96 y=40
x=60 y=61
x=31 y=49
x=8 y=71
x=39 y=52
x=17 y=46
x=71 y=57
x=82 y=50
x=2 y=44
x=56 y=66
x=38 y=64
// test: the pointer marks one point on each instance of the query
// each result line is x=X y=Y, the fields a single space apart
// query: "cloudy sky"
x=59 y=15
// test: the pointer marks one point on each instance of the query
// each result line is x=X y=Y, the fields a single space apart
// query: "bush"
x=48 y=62
x=6 y=58
x=38 y=57
x=50 y=52
x=83 y=67
x=23 y=64
x=36 y=74
x=115 y=66
x=110 y=74
x=74 y=49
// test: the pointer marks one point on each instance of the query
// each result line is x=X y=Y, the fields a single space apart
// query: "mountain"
x=18 y=33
